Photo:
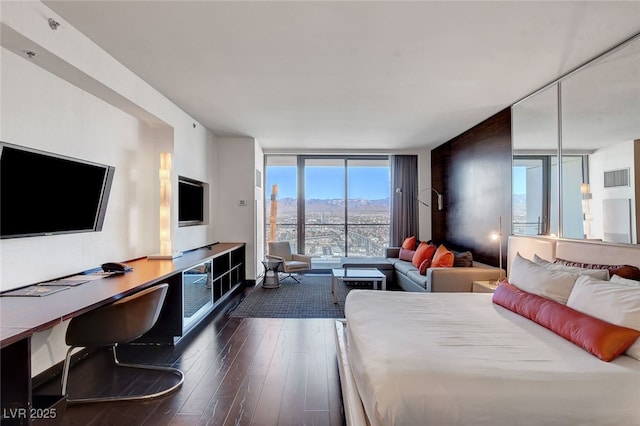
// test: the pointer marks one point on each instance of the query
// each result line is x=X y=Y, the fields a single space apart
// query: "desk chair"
x=291 y=262
x=120 y=322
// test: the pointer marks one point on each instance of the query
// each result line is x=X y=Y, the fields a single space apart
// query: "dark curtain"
x=404 y=208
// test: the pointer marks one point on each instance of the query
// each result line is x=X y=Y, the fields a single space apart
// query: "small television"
x=42 y=193
x=191 y=201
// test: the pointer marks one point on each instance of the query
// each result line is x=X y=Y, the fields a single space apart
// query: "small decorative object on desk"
x=35 y=291
x=271 y=278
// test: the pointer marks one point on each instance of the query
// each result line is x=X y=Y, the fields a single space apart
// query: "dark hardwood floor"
x=250 y=371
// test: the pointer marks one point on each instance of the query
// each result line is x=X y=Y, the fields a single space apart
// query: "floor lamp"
x=497 y=236
x=166 y=248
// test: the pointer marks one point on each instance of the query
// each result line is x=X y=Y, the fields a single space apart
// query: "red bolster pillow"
x=602 y=339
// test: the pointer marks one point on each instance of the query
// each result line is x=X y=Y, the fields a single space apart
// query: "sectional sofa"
x=454 y=279
x=408 y=277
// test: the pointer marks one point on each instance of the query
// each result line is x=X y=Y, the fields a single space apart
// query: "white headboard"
x=577 y=251
x=528 y=246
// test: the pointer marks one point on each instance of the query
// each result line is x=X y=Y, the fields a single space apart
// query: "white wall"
x=42 y=111
x=75 y=99
x=619 y=156
x=235 y=170
x=259 y=230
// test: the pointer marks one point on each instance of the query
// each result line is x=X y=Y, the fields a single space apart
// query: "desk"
x=21 y=317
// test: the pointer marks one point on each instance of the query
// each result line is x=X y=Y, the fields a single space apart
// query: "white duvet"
x=458 y=359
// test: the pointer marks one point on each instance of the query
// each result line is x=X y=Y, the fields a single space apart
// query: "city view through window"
x=345 y=209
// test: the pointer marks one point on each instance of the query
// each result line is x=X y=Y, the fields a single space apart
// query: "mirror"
x=535 y=171
x=600 y=151
x=600 y=124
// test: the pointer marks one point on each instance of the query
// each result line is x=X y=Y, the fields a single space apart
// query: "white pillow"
x=627 y=281
x=609 y=301
x=536 y=279
x=600 y=274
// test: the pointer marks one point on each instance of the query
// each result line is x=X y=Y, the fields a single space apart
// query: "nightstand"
x=484 y=286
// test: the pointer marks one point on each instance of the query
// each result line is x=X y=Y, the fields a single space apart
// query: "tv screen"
x=44 y=194
x=190 y=202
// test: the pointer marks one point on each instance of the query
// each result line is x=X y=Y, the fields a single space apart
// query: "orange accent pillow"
x=409 y=243
x=602 y=339
x=424 y=266
x=423 y=252
x=443 y=258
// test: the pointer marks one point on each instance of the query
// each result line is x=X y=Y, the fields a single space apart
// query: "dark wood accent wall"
x=474 y=172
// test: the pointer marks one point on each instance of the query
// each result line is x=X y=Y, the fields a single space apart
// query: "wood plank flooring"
x=248 y=371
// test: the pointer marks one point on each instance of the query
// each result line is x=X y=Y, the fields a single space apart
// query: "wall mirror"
x=590 y=120
x=535 y=164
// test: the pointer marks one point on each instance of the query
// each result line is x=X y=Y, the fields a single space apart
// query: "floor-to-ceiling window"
x=329 y=206
x=281 y=196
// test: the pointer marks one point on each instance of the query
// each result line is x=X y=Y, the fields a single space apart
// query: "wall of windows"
x=328 y=206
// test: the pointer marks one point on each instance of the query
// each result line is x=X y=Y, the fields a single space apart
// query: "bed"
x=459 y=359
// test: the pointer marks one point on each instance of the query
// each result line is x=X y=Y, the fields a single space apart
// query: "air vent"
x=616 y=178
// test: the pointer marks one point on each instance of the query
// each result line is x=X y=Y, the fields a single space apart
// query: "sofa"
x=454 y=279
x=408 y=278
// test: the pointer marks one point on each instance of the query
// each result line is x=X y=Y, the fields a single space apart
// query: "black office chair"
x=120 y=322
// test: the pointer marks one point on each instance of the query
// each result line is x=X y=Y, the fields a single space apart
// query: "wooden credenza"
x=21 y=317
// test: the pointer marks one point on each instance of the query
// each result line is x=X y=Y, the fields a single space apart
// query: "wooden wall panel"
x=473 y=170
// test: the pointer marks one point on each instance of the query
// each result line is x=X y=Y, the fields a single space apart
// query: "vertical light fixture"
x=497 y=236
x=166 y=248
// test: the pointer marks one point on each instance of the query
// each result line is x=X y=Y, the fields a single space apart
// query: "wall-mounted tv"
x=191 y=201
x=42 y=193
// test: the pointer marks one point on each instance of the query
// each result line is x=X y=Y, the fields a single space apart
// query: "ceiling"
x=349 y=76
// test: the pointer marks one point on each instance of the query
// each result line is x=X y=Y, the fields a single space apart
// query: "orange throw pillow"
x=602 y=339
x=443 y=258
x=409 y=243
x=423 y=252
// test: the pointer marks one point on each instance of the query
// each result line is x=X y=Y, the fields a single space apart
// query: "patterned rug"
x=311 y=298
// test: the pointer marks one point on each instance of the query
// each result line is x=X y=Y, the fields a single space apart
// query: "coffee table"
x=356 y=274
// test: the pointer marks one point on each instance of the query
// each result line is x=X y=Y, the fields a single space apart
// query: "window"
x=329 y=206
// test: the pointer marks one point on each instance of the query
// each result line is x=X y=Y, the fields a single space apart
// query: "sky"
x=328 y=182
x=364 y=182
x=519 y=180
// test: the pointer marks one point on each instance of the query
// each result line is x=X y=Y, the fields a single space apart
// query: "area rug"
x=311 y=298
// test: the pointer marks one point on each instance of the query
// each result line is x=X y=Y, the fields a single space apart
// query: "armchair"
x=291 y=262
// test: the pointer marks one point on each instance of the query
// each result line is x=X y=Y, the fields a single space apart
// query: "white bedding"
x=456 y=358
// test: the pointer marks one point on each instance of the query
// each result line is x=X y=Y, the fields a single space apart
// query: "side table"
x=271 y=278
x=484 y=286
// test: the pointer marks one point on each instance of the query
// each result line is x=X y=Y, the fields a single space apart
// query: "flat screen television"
x=45 y=194
x=191 y=194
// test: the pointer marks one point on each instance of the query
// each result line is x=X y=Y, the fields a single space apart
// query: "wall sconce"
x=399 y=191
x=166 y=249
x=497 y=236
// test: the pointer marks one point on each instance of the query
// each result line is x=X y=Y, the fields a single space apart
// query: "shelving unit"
x=224 y=267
